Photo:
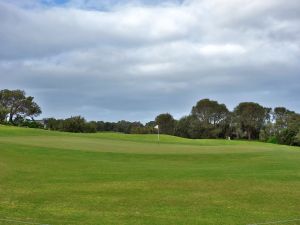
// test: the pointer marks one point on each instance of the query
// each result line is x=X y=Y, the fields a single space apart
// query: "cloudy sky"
x=117 y=59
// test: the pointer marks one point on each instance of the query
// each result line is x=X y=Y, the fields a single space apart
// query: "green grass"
x=108 y=178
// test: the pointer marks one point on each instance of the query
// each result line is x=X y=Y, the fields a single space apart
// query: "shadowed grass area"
x=109 y=178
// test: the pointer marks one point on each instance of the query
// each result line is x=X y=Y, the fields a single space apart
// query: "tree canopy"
x=250 y=117
x=166 y=123
x=15 y=104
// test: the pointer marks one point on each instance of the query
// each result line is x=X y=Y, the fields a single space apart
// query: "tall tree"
x=281 y=116
x=166 y=123
x=183 y=127
x=16 y=104
x=250 y=117
x=289 y=135
x=210 y=112
x=212 y=118
x=74 y=124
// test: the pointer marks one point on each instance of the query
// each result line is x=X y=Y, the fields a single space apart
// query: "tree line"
x=207 y=119
x=78 y=124
x=248 y=120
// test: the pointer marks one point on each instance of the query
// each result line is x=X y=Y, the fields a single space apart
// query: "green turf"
x=108 y=178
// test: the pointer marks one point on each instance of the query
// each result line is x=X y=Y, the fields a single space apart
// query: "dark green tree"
x=123 y=126
x=90 y=127
x=297 y=139
x=210 y=112
x=150 y=127
x=183 y=125
x=213 y=118
x=288 y=135
x=166 y=123
x=138 y=128
x=250 y=117
x=74 y=124
x=196 y=128
x=16 y=104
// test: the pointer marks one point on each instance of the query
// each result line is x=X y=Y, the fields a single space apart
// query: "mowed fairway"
x=61 y=178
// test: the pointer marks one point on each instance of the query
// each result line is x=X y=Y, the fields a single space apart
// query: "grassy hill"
x=108 y=178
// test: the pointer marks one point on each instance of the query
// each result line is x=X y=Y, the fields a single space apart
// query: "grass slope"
x=108 y=178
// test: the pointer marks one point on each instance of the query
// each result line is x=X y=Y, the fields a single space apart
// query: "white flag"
x=156 y=127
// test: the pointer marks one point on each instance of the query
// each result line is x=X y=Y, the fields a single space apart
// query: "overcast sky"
x=117 y=59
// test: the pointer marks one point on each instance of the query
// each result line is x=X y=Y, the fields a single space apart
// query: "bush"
x=90 y=127
x=272 y=140
x=76 y=124
x=297 y=139
x=32 y=124
x=287 y=137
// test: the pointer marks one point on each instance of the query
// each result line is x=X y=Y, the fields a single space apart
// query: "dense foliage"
x=78 y=124
x=208 y=119
x=16 y=107
x=166 y=123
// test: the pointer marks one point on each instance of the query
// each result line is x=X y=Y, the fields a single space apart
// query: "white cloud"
x=227 y=49
x=134 y=54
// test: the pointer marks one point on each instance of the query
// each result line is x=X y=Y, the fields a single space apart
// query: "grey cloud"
x=136 y=60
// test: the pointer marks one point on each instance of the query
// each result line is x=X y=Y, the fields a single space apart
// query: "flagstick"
x=157 y=127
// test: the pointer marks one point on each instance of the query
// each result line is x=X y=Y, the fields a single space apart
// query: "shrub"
x=272 y=140
x=297 y=139
x=32 y=124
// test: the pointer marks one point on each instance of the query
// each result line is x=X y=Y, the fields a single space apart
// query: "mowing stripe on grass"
x=274 y=222
x=24 y=222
